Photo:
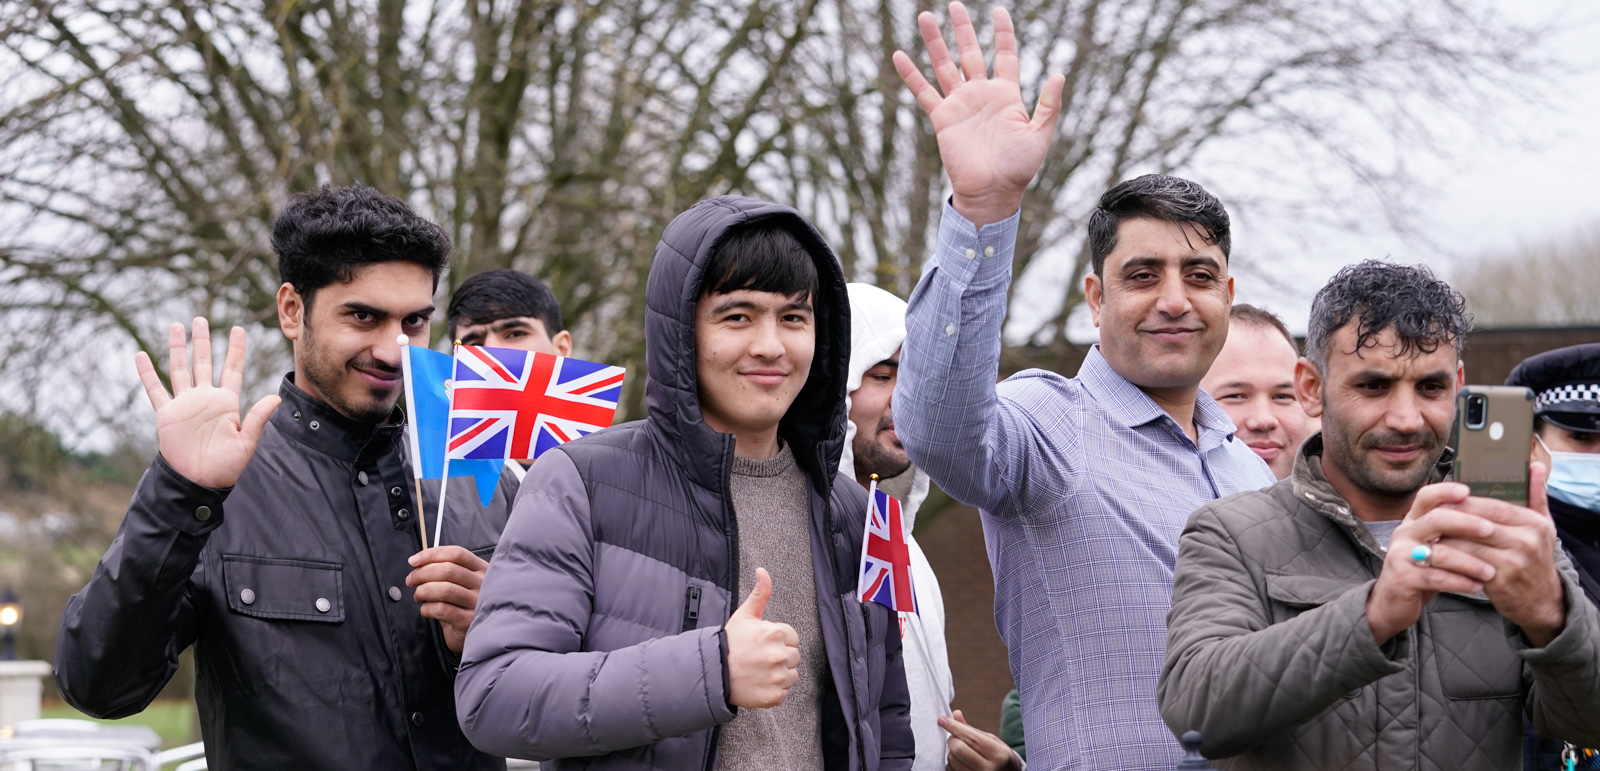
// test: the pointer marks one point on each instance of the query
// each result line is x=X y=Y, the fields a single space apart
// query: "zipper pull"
x=691 y=608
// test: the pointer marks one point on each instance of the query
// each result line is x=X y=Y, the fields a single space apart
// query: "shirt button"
x=988 y=251
x=361 y=476
x=394 y=593
x=972 y=253
x=416 y=718
x=202 y=513
x=403 y=514
x=394 y=492
x=247 y=597
x=323 y=606
x=949 y=329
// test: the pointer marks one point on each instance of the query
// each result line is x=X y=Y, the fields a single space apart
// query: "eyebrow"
x=514 y=322
x=360 y=307
x=736 y=304
x=887 y=363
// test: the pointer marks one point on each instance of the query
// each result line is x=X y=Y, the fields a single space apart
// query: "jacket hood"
x=877 y=330
x=814 y=424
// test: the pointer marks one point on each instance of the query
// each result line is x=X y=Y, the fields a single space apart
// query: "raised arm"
x=121 y=635
x=947 y=412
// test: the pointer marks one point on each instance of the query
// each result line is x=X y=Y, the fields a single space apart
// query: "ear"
x=1230 y=290
x=291 y=311
x=1094 y=294
x=563 y=342
x=1461 y=374
x=1308 y=387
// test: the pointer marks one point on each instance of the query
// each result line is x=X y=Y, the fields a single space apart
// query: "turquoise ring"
x=1422 y=555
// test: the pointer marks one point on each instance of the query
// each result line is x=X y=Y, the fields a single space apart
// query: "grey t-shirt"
x=771 y=506
x=1383 y=531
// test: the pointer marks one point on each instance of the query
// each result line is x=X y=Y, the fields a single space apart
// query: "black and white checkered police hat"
x=1566 y=386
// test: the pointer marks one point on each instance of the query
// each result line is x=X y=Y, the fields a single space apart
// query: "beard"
x=872 y=457
x=341 y=390
x=1353 y=455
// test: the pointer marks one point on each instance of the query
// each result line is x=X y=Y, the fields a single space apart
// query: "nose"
x=1404 y=415
x=1260 y=417
x=1174 y=300
x=766 y=344
x=387 y=348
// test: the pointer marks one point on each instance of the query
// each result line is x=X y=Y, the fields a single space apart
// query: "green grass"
x=172 y=719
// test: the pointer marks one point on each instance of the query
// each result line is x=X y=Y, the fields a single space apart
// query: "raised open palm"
x=990 y=146
x=198 y=426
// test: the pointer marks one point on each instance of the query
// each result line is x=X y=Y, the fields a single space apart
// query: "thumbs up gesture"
x=763 y=657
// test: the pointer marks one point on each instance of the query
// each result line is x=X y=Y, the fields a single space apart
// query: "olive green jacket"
x=1270 y=655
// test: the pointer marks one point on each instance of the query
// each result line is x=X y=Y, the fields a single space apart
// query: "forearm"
x=121 y=635
x=528 y=703
x=945 y=401
x=1240 y=686
x=1564 y=701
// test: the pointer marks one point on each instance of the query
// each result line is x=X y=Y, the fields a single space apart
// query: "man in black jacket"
x=281 y=546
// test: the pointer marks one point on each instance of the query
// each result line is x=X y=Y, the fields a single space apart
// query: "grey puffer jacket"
x=1270 y=656
x=598 y=639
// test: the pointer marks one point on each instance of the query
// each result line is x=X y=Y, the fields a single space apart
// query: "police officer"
x=1566 y=387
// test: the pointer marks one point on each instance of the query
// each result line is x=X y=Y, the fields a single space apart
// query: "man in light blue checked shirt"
x=1084 y=484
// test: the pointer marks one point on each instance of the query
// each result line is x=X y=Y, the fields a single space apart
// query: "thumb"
x=255 y=421
x=756 y=603
x=1538 y=475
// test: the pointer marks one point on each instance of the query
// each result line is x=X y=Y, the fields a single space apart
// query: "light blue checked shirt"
x=1084 y=484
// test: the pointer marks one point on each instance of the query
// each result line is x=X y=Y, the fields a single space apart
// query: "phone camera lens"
x=1477 y=409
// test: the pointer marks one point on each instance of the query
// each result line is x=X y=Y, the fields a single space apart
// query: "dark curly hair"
x=1157 y=197
x=1424 y=311
x=323 y=236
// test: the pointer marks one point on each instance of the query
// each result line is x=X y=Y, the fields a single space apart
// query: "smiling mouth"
x=380 y=379
x=765 y=377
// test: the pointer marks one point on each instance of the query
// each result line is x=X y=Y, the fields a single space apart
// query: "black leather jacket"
x=310 y=651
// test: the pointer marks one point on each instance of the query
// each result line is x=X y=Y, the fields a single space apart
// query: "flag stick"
x=422 y=522
x=438 y=518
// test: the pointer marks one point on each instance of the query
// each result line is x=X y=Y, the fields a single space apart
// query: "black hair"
x=1248 y=314
x=762 y=256
x=1424 y=311
x=503 y=294
x=1158 y=197
x=323 y=236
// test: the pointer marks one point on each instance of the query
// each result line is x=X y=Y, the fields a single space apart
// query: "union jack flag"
x=511 y=404
x=886 y=557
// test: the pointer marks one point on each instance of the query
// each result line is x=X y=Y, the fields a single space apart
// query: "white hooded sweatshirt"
x=877 y=328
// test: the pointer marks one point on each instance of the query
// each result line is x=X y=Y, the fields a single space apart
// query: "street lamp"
x=10 y=617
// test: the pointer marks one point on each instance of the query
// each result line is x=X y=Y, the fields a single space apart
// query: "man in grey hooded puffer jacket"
x=607 y=634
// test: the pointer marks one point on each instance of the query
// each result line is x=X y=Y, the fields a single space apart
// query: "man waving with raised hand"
x=1085 y=483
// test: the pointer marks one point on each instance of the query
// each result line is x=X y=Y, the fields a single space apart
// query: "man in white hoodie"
x=877 y=328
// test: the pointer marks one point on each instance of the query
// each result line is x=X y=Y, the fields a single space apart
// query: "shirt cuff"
x=182 y=504
x=970 y=256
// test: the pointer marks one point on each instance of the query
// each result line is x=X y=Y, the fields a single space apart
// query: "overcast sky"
x=1531 y=179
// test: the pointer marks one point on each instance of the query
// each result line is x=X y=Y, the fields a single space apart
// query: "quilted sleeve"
x=528 y=689
x=1564 y=699
x=1238 y=678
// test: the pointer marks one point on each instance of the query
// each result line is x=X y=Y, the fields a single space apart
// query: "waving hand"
x=198 y=426
x=990 y=146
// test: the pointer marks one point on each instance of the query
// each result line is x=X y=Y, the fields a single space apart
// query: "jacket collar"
x=1128 y=406
x=1312 y=488
x=313 y=423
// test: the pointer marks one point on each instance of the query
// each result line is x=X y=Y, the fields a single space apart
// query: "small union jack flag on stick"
x=885 y=555
x=511 y=404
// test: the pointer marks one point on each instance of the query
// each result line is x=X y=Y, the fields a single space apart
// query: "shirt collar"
x=313 y=423
x=1129 y=406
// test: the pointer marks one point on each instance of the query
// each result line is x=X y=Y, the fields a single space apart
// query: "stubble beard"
x=873 y=458
x=327 y=376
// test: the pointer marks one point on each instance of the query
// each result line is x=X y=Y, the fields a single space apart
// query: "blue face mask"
x=1574 y=478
